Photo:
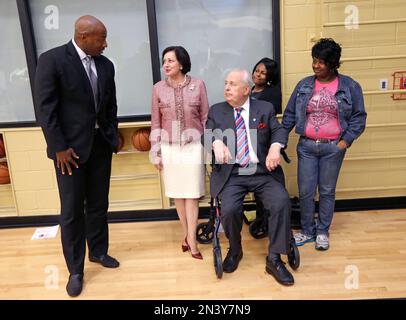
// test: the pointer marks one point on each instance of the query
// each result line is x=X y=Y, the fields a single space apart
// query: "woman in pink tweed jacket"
x=178 y=115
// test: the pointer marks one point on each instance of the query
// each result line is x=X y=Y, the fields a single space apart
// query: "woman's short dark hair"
x=329 y=51
x=272 y=70
x=181 y=55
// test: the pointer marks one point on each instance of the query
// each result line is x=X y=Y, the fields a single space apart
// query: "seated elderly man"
x=246 y=139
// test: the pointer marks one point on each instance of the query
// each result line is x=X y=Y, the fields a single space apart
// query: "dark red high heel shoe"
x=185 y=247
x=197 y=255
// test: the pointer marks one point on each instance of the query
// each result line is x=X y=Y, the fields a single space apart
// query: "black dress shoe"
x=230 y=263
x=277 y=269
x=105 y=261
x=75 y=284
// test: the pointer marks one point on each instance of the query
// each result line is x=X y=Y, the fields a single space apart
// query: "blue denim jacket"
x=350 y=101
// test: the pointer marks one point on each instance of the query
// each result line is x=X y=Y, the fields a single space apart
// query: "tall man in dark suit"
x=246 y=139
x=75 y=103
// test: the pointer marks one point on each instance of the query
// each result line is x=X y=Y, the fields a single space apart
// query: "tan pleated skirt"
x=183 y=170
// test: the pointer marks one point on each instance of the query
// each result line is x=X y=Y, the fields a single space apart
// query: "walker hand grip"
x=285 y=156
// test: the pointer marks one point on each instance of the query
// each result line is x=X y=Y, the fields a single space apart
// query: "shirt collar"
x=245 y=106
x=80 y=52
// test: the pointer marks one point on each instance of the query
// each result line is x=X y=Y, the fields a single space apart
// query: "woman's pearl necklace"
x=179 y=84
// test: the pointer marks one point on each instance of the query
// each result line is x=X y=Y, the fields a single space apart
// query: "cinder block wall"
x=373 y=49
x=375 y=165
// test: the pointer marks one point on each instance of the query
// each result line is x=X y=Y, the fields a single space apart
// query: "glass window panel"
x=219 y=35
x=127 y=38
x=15 y=90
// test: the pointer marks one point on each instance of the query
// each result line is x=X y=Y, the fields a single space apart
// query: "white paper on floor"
x=45 y=233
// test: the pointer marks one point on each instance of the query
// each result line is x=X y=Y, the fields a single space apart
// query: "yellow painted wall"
x=375 y=166
x=135 y=184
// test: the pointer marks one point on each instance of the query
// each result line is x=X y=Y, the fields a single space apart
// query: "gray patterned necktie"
x=93 y=79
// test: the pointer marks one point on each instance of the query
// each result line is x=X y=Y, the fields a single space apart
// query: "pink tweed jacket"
x=178 y=115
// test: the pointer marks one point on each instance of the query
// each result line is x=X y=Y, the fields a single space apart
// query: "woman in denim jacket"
x=329 y=114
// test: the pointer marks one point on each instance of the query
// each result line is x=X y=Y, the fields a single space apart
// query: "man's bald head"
x=87 y=24
x=90 y=35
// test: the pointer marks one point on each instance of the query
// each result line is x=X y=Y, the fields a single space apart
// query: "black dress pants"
x=84 y=205
x=275 y=200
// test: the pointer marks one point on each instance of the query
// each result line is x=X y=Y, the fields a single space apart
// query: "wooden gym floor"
x=367 y=259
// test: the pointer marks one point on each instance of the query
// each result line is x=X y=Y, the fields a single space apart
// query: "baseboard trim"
x=170 y=214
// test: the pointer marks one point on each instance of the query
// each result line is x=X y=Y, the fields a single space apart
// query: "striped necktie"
x=243 y=157
x=92 y=78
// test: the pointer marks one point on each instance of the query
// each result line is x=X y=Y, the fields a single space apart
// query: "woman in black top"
x=265 y=76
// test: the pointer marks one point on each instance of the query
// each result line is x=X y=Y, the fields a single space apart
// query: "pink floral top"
x=322 y=112
x=178 y=115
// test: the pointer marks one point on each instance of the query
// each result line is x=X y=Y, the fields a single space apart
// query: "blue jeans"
x=318 y=166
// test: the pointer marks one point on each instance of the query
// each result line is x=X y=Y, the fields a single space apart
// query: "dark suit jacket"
x=221 y=116
x=64 y=102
